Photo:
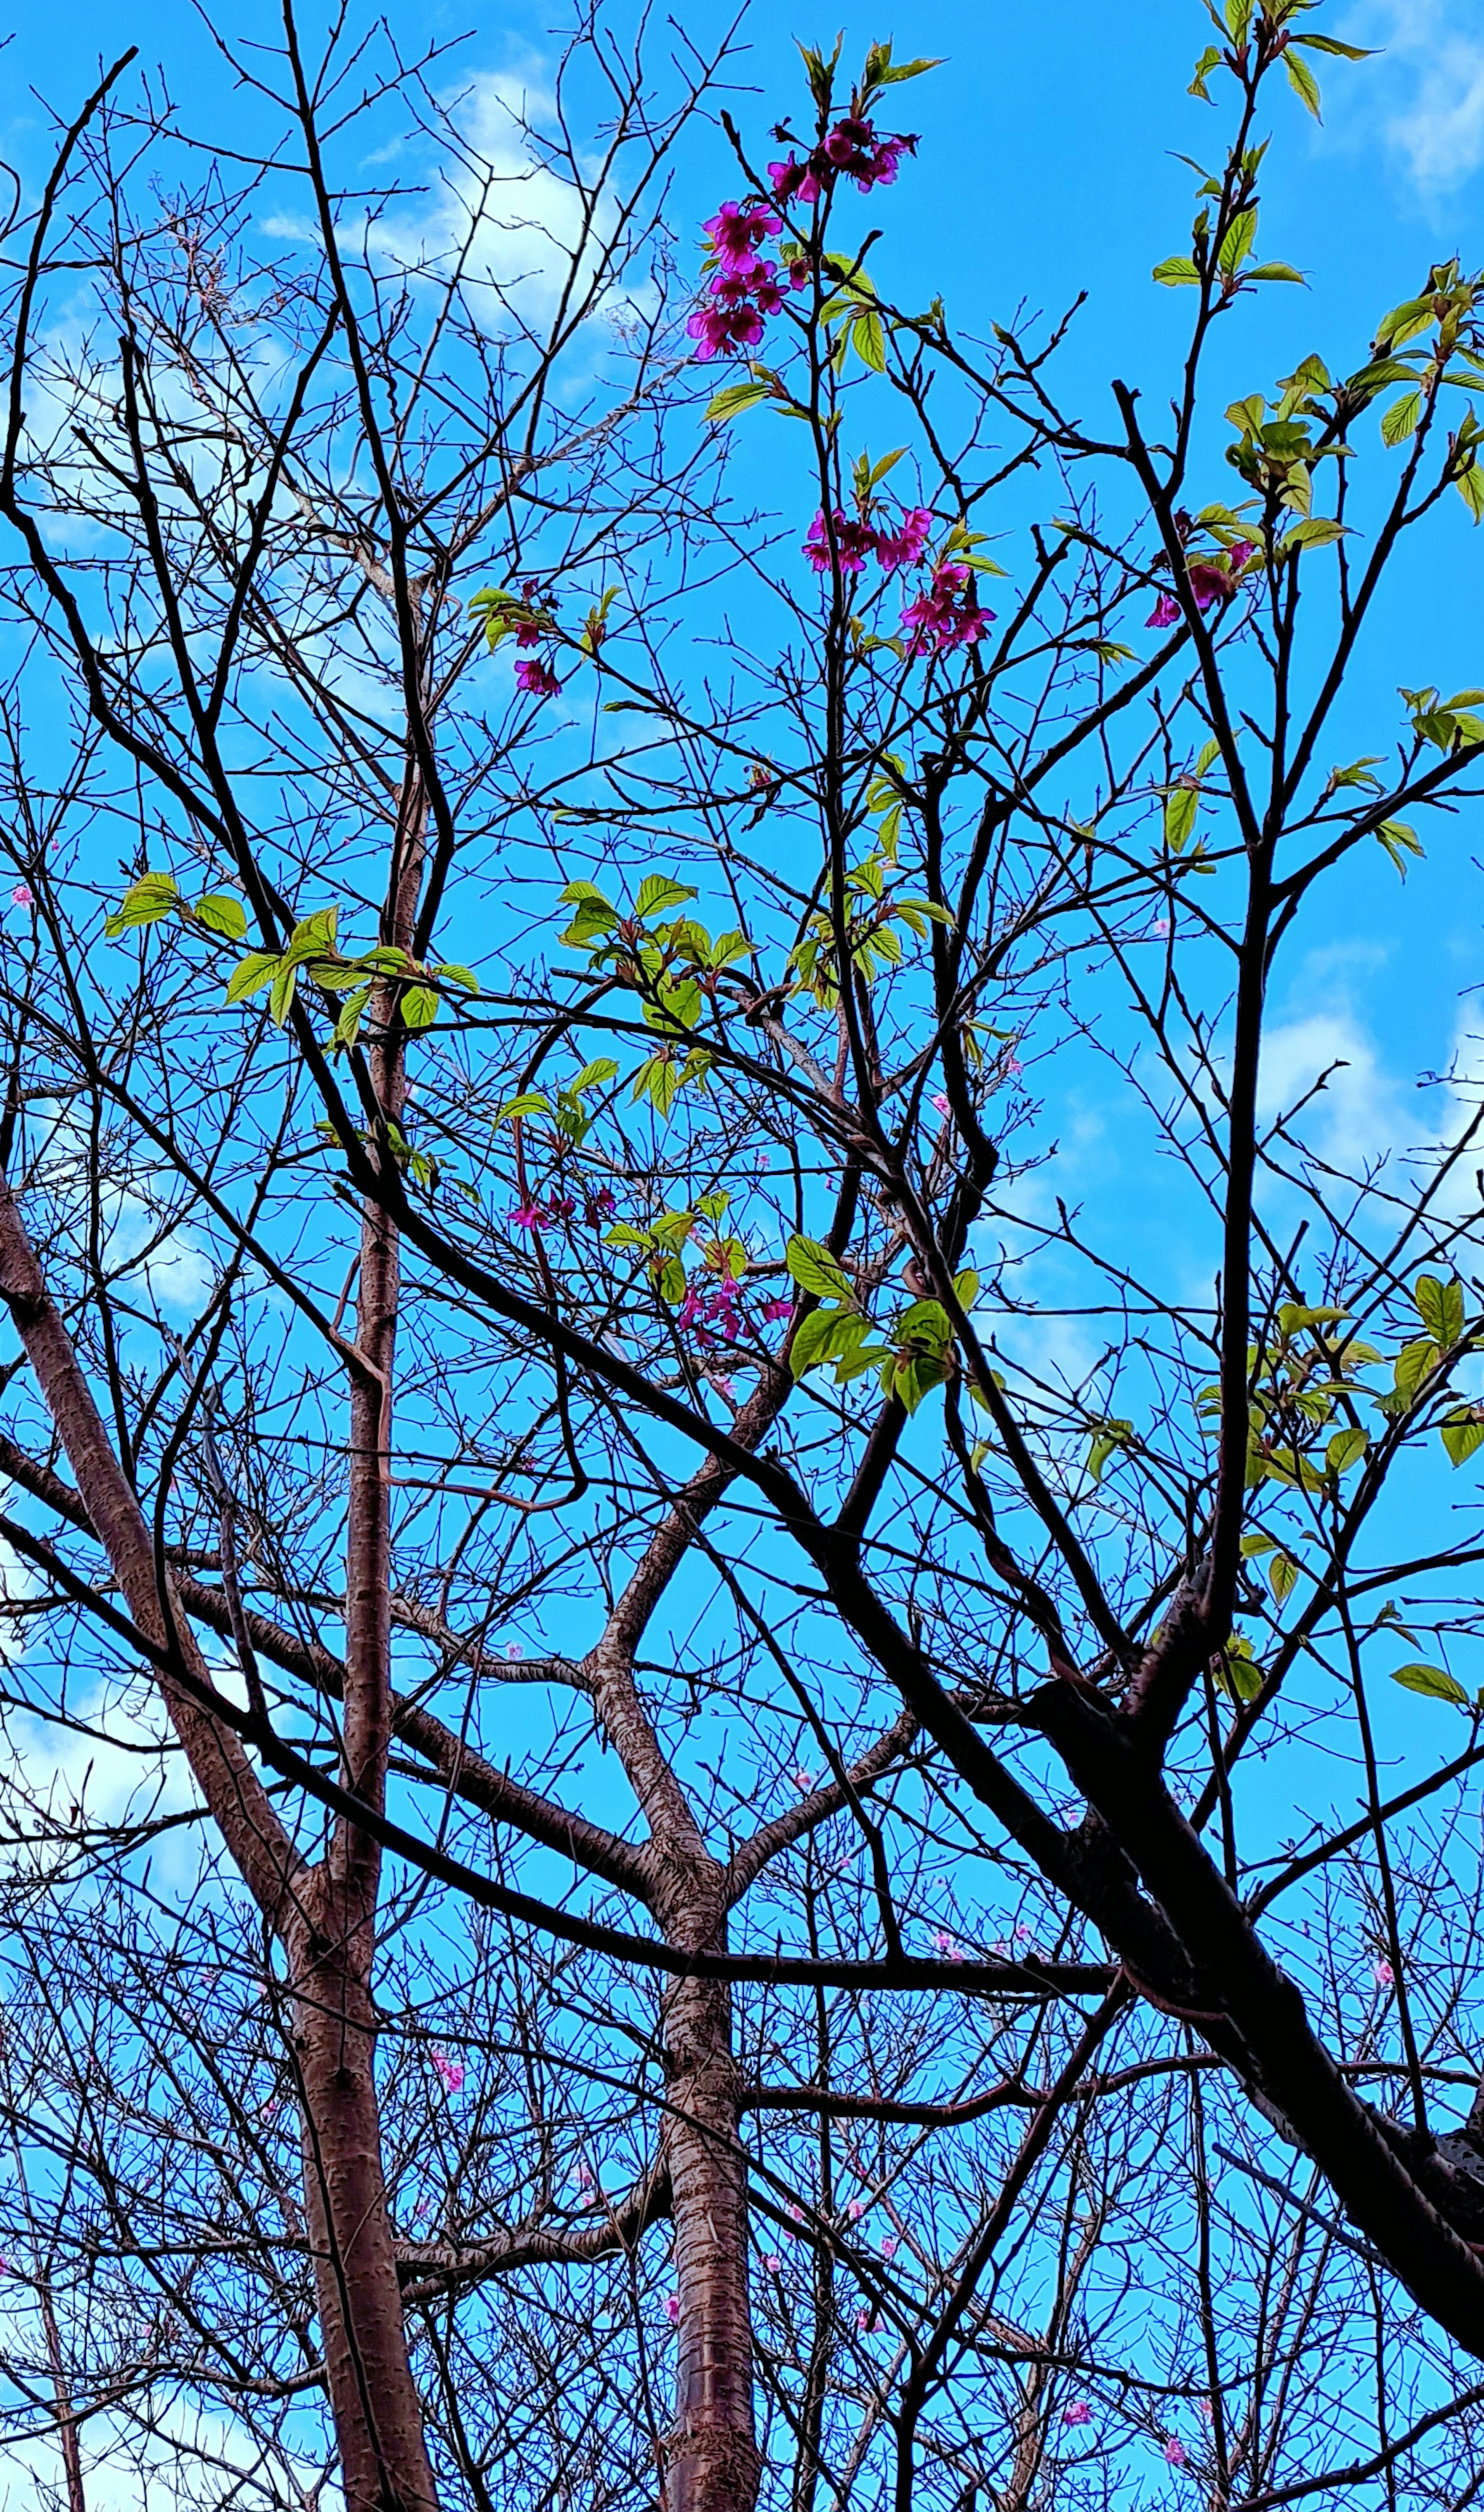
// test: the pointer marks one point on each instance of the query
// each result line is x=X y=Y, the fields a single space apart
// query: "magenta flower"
x=855 y=2210
x=1175 y=2452
x=1165 y=612
x=864 y=2320
x=947 y=1945
x=1384 y=1975
x=802 y=1778
x=948 y=614
x=940 y=1103
x=526 y=1216
x=854 y=543
x=889 y=2246
x=22 y=895
x=537 y=680
x=601 y=1206
x=796 y=2210
x=771 y=2262
x=1077 y=2412
x=793 y=181
x=1210 y=579
x=776 y=1308
x=738 y=230
x=672 y=2308
x=905 y=546
x=449 y=2071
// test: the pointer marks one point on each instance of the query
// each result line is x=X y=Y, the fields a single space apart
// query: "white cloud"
x=1358 y=1116
x=1428 y=86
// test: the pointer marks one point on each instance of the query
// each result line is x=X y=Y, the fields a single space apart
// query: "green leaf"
x=1312 y=533
x=526 y=1103
x=1277 y=270
x=1345 y=1449
x=592 y=1076
x=733 y=400
x=151 y=896
x=1283 y=1577
x=1400 y=421
x=1434 y=1682
x=1179 y=271
x=285 y=987
x=1302 y=80
x=1399 y=841
x=455 y=975
x=1440 y=1306
x=220 y=913
x=249 y=974
x=1209 y=60
x=1332 y=44
x=351 y=1010
x=814 y=1269
x=418 y=1007
x=1180 y=805
x=658 y=891
x=1462 y=1433
x=811 y=1337
x=1239 y=1674
x=1236 y=243
x=1470 y=487
x=870 y=341
x=889 y=76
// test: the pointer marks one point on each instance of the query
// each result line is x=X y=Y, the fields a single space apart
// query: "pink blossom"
x=942 y=1103
x=1384 y=1975
x=771 y=2262
x=722 y=330
x=22 y=895
x=854 y=543
x=537 y=679
x=1175 y=2452
x=1077 y=2412
x=947 y=1945
x=796 y=2210
x=856 y=2209
x=889 y=2246
x=777 y=1308
x=602 y=1205
x=802 y=1778
x=527 y=1215
x=864 y=2320
x=948 y=614
x=6 y=2269
x=905 y=546
x=1210 y=579
x=449 y=2071
x=793 y=181
x=738 y=230
x=672 y=2308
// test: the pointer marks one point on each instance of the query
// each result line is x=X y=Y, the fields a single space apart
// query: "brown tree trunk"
x=325 y=1917
x=711 y=2458
x=378 y=2412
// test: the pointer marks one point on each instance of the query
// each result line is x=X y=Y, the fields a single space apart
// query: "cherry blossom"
x=854 y=543
x=1175 y=2452
x=1077 y=2412
x=537 y=679
x=905 y=546
x=942 y=1103
x=672 y=2308
x=449 y=2071
x=948 y=614
x=946 y=1945
x=22 y=895
x=889 y=2246
x=1382 y=1974
x=1210 y=579
x=772 y=2263
x=852 y=147
x=738 y=230
x=802 y=1778
x=856 y=2209
x=777 y=1308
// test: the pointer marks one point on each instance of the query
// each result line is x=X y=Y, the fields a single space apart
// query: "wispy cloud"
x=1426 y=91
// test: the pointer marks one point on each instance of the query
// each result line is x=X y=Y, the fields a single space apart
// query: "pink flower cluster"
x=713 y=1310
x=1210 y=579
x=744 y=289
x=856 y=541
x=448 y=2071
x=854 y=148
x=533 y=1214
x=947 y=615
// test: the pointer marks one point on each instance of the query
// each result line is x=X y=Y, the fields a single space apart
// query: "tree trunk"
x=377 y=2413
x=711 y=2458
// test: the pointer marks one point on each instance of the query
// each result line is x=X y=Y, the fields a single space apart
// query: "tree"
x=706 y=1703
